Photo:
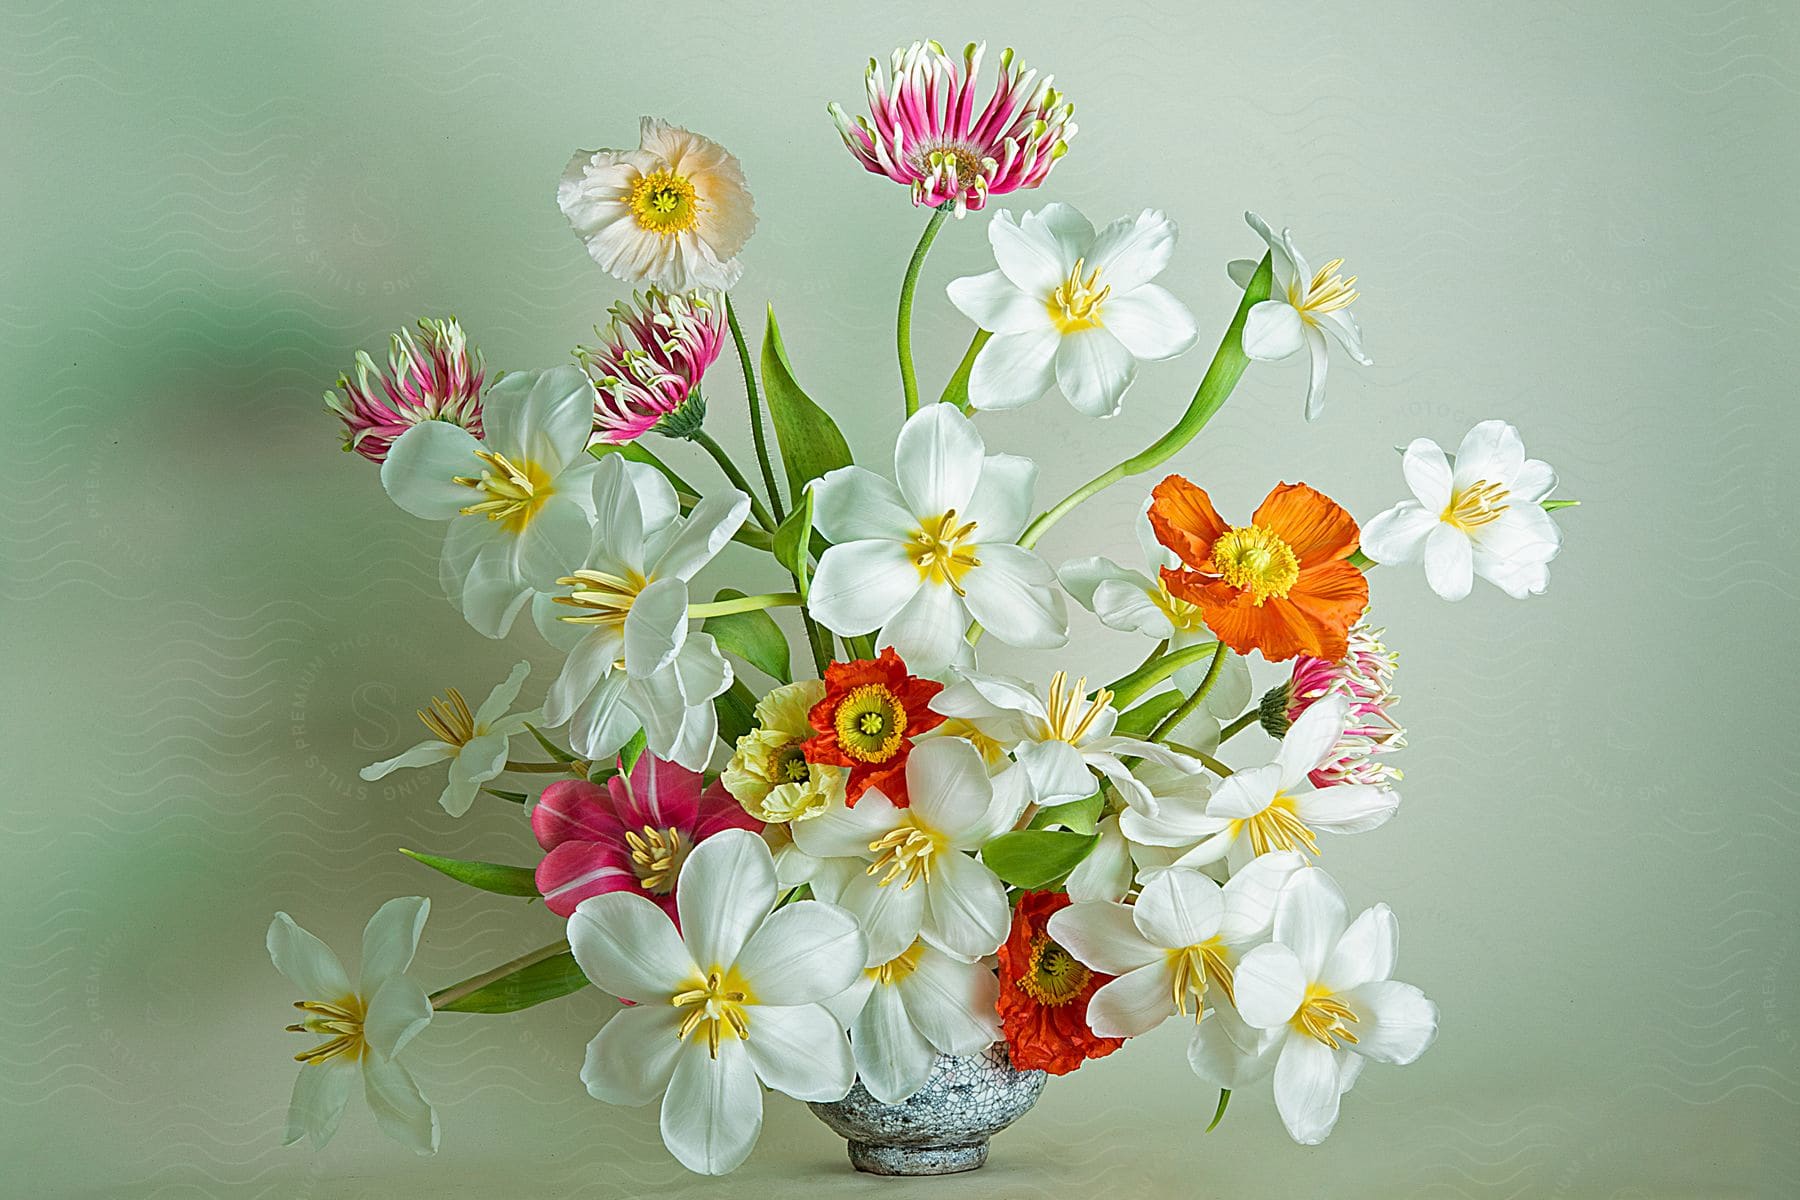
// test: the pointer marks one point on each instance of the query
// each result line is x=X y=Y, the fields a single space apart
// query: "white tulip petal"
x=801 y=1050
x=1013 y=594
x=1057 y=770
x=544 y=417
x=306 y=961
x=713 y=1111
x=1341 y=324
x=948 y=786
x=851 y=504
x=1534 y=480
x=1365 y=953
x=968 y=912
x=1106 y=873
x=1094 y=369
x=1014 y=369
x=1252 y=893
x=492 y=593
x=627 y=946
x=1226 y=1053
x=1082 y=577
x=1127 y=605
x=616 y=493
x=859 y=586
x=893 y=1057
x=1132 y=251
x=423 y=465
x=421 y=755
x=632 y=1057
x=706 y=531
x=891 y=916
x=1309 y=919
x=1312 y=738
x=1268 y=986
x=802 y=954
x=1245 y=793
x=1001 y=505
x=927 y=632
x=1273 y=330
x=842 y=831
x=554 y=542
x=398 y=1010
x=501 y=698
x=1151 y=323
x=601 y=722
x=1103 y=936
x=1347 y=807
x=1320 y=357
x=1134 y=1003
x=1307 y=1089
x=1427 y=473
x=726 y=889
x=1491 y=451
x=1397 y=537
x=952 y=1003
x=1449 y=562
x=321 y=1093
x=1396 y=1023
x=1032 y=253
x=938 y=460
x=1179 y=908
x=996 y=304
x=481 y=759
x=399 y=1107
x=656 y=627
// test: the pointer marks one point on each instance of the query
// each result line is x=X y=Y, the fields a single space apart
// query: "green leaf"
x=752 y=636
x=1127 y=689
x=1553 y=505
x=551 y=748
x=737 y=712
x=628 y=753
x=957 y=390
x=514 y=797
x=1219 y=1113
x=793 y=540
x=640 y=453
x=489 y=877
x=554 y=976
x=1080 y=816
x=810 y=441
x=1144 y=718
x=1036 y=858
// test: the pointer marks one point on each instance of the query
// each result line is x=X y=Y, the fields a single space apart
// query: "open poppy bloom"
x=871 y=712
x=1281 y=585
x=1044 y=993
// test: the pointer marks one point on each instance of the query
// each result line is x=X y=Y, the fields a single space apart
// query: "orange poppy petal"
x=1313 y=525
x=1184 y=520
x=1333 y=595
x=1276 y=630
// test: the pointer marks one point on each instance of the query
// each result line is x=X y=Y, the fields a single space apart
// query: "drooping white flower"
x=1073 y=308
x=1303 y=306
x=1324 y=991
x=920 y=879
x=918 y=560
x=1174 y=950
x=1481 y=515
x=475 y=742
x=1117 y=861
x=1062 y=739
x=913 y=1007
x=674 y=212
x=518 y=499
x=725 y=1005
x=624 y=621
x=1272 y=807
x=365 y=1026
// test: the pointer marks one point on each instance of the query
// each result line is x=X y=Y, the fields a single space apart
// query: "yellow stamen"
x=870 y=723
x=1328 y=292
x=1323 y=1018
x=718 y=1003
x=1075 y=304
x=1052 y=975
x=1196 y=966
x=665 y=203
x=899 y=967
x=1255 y=560
x=1184 y=615
x=938 y=551
x=341 y=1019
x=906 y=851
x=604 y=599
x=656 y=856
x=1277 y=827
x=449 y=719
x=1479 y=504
x=514 y=491
x=1068 y=721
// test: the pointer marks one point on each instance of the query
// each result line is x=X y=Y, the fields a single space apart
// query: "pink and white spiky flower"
x=648 y=366
x=1365 y=677
x=926 y=132
x=436 y=377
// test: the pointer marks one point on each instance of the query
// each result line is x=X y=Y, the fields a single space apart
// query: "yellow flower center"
x=870 y=723
x=1075 y=304
x=449 y=719
x=340 y=1021
x=1479 y=504
x=1184 y=615
x=906 y=851
x=603 y=598
x=1324 y=1018
x=1052 y=975
x=1255 y=560
x=665 y=203
x=656 y=856
x=1068 y=717
x=941 y=551
x=716 y=1003
x=899 y=967
x=788 y=765
x=1193 y=967
x=513 y=491
x=992 y=750
x=1277 y=827
x=1327 y=292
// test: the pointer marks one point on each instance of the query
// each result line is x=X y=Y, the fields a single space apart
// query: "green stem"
x=741 y=604
x=1238 y=726
x=457 y=991
x=818 y=641
x=1127 y=690
x=957 y=390
x=549 y=768
x=1212 y=764
x=1188 y=707
x=756 y=412
x=909 y=380
x=757 y=510
x=1228 y=365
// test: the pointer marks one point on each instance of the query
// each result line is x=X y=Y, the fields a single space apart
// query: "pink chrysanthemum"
x=634 y=834
x=436 y=377
x=648 y=365
x=926 y=132
x=1365 y=677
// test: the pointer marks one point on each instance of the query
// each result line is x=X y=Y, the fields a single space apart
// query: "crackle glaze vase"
x=942 y=1128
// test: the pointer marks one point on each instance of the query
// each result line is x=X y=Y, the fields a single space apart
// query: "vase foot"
x=916 y=1160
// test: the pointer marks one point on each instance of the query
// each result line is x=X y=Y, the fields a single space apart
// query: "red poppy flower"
x=1044 y=994
x=871 y=712
x=1282 y=584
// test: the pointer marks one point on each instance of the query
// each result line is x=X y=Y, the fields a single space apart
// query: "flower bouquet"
x=844 y=882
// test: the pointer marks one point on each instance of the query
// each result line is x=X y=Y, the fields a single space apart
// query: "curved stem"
x=1212 y=764
x=741 y=604
x=1188 y=707
x=1238 y=726
x=909 y=380
x=1127 y=690
x=1228 y=365
x=757 y=509
x=756 y=415
x=457 y=991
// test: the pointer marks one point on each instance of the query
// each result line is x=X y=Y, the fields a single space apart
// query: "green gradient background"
x=1576 y=217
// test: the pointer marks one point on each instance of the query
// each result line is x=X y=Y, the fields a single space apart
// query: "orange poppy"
x=871 y=712
x=1282 y=585
x=1044 y=994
